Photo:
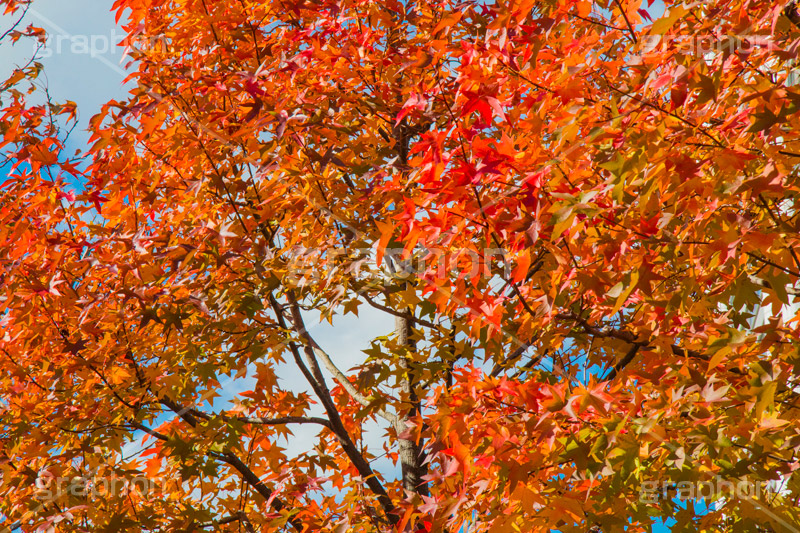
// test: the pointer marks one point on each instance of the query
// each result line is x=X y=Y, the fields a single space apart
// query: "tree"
x=571 y=209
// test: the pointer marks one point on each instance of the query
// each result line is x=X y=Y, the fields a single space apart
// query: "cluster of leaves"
x=598 y=199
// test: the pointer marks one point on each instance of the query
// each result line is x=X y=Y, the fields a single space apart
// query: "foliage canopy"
x=572 y=210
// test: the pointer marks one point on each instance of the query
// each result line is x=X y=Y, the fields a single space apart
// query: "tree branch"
x=262 y=420
x=315 y=378
x=609 y=332
x=625 y=361
x=380 y=307
x=604 y=331
x=331 y=367
x=513 y=356
x=627 y=22
x=764 y=283
x=238 y=517
x=227 y=457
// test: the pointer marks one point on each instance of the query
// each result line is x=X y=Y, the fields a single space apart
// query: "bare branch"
x=238 y=517
x=627 y=22
x=415 y=320
x=226 y=457
x=337 y=374
x=315 y=378
x=604 y=331
x=262 y=420
x=625 y=361
x=282 y=420
x=764 y=283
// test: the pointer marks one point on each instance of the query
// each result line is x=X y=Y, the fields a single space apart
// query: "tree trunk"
x=410 y=451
